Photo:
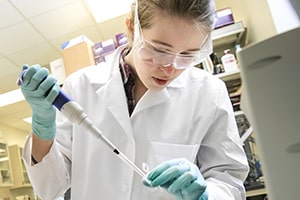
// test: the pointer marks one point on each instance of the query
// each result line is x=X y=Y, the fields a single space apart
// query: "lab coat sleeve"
x=45 y=176
x=221 y=156
x=50 y=178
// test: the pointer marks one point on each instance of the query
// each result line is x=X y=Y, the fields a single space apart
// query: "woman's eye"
x=188 y=55
x=159 y=50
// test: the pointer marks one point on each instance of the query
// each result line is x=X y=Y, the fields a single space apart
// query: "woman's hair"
x=201 y=12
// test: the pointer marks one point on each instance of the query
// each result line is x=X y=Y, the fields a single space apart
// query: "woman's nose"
x=167 y=69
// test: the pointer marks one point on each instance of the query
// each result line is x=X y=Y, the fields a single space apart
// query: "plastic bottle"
x=218 y=68
x=238 y=48
x=229 y=61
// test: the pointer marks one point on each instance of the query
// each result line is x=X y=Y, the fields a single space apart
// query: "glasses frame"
x=178 y=61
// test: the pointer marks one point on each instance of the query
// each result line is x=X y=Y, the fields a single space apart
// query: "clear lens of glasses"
x=149 y=53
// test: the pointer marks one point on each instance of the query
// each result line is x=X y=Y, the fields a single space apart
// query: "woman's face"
x=167 y=34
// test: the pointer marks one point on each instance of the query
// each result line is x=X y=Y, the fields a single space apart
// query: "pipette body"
x=75 y=113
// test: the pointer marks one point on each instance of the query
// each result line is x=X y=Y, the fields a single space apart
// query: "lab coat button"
x=124 y=188
x=145 y=167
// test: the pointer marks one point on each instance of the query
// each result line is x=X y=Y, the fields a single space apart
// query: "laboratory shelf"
x=256 y=192
x=232 y=29
x=226 y=76
x=229 y=36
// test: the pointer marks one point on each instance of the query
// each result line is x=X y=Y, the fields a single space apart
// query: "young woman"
x=170 y=118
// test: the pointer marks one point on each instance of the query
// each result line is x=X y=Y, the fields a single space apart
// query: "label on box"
x=58 y=70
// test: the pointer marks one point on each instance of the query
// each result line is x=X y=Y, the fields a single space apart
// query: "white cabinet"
x=21 y=186
x=6 y=177
x=19 y=171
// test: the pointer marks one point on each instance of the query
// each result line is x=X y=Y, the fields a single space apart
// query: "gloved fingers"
x=194 y=188
x=190 y=185
x=185 y=179
x=197 y=186
x=37 y=78
x=191 y=191
x=158 y=170
x=27 y=76
x=204 y=196
x=170 y=174
x=182 y=182
x=162 y=167
x=53 y=93
x=40 y=78
x=46 y=85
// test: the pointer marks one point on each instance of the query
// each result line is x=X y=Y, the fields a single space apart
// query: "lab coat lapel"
x=151 y=98
x=113 y=95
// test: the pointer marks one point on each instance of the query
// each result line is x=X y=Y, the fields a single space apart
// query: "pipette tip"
x=146 y=182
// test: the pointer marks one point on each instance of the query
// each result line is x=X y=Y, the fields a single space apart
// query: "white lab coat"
x=191 y=118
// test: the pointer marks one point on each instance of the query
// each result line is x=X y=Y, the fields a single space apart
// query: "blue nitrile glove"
x=179 y=177
x=40 y=90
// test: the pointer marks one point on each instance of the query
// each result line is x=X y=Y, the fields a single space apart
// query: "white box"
x=76 y=40
x=58 y=70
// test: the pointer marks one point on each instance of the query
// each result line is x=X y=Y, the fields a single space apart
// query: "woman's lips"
x=160 y=81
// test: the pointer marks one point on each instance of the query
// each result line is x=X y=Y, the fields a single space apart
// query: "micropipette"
x=75 y=113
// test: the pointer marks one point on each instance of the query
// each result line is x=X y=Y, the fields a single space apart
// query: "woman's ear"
x=129 y=28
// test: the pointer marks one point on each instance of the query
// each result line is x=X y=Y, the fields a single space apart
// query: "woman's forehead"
x=176 y=32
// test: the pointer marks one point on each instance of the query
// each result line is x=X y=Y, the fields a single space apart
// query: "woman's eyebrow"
x=161 y=43
x=170 y=46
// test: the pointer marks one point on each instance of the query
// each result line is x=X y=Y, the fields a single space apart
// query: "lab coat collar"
x=151 y=98
x=105 y=71
x=180 y=81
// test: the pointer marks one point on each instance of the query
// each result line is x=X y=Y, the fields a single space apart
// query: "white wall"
x=12 y=136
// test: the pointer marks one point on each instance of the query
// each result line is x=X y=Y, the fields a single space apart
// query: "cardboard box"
x=77 y=57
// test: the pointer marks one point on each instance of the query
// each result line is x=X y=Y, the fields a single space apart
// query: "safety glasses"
x=153 y=55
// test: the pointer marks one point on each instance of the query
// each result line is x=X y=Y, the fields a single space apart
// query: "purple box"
x=102 y=49
x=98 y=53
x=224 y=17
x=108 y=46
x=121 y=39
